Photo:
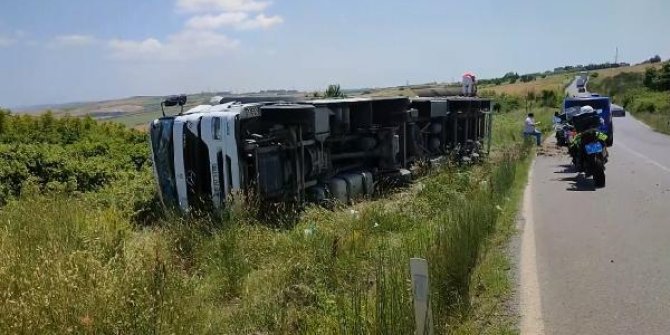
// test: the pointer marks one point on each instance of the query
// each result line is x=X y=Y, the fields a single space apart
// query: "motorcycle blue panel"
x=594 y=148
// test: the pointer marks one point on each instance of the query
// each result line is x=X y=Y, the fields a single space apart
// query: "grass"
x=492 y=287
x=628 y=90
x=139 y=120
x=651 y=107
x=657 y=121
x=72 y=264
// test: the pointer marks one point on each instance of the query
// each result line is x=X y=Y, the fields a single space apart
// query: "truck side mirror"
x=174 y=100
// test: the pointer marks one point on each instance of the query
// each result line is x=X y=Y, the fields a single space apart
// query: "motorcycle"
x=564 y=134
x=589 y=154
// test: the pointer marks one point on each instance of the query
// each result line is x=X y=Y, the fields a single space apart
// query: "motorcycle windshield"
x=163 y=152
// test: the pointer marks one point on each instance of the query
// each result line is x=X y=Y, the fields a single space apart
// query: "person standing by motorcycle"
x=530 y=129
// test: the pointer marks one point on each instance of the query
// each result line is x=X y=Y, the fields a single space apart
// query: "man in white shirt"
x=530 y=130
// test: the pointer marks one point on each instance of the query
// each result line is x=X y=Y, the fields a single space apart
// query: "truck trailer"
x=319 y=150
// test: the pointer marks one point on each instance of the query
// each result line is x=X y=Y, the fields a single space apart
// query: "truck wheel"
x=599 y=172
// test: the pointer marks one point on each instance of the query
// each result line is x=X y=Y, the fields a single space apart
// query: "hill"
x=136 y=112
x=558 y=81
x=133 y=112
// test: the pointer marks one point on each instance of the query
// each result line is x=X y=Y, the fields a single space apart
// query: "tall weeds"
x=77 y=263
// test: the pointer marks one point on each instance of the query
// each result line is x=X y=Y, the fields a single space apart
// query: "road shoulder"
x=530 y=305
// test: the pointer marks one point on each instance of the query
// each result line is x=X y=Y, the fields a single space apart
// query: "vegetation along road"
x=600 y=255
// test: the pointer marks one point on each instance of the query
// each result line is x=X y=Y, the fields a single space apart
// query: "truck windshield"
x=163 y=152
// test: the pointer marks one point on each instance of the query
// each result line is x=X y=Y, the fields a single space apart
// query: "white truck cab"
x=202 y=156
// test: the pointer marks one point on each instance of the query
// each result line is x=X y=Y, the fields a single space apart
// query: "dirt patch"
x=550 y=148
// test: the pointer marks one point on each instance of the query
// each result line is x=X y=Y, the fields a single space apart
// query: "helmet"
x=586 y=109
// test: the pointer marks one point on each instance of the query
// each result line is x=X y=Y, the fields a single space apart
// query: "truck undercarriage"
x=316 y=150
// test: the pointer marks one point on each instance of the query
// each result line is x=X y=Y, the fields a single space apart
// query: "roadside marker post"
x=423 y=315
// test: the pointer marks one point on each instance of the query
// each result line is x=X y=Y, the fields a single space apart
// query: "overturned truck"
x=308 y=151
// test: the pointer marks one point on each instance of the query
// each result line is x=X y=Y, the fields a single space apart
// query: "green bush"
x=67 y=154
x=658 y=79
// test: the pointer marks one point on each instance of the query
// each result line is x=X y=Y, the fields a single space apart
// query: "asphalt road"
x=597 y=261
x=573 y=90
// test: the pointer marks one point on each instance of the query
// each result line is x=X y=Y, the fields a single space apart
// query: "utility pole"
x=616 y=56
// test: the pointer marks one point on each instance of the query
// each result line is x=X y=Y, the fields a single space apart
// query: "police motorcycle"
x=588 y=148
x=563 y=129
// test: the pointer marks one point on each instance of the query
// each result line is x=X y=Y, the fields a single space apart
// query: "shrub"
x=67 y=154
x=658 y=79
x=648 y=107
x=549 y=98
x=333 y=91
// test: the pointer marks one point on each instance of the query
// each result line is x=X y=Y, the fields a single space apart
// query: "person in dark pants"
x=530 y=130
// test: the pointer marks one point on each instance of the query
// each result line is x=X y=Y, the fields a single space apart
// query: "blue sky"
x=75 y=50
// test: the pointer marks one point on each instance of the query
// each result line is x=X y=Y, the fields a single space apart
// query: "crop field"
x=550 y=83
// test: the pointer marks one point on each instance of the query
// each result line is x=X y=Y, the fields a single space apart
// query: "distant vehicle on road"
x=580 y=83
x=581 y=89
x=601 y=104
x=618 y=111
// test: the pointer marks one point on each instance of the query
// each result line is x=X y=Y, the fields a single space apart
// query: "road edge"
x=530 y=304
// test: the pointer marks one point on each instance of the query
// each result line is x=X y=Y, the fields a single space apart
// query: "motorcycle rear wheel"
x=599 y=172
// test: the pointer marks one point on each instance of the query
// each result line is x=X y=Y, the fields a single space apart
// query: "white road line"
x=531 y=306
x=649 y=160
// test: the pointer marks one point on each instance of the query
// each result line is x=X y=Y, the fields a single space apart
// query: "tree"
x=4 y=116
x=333 y=91
x=663 y=79
x=650 y=78
x=658 y=79
x=527 y=78
x=512 y=77
x=655 y=59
